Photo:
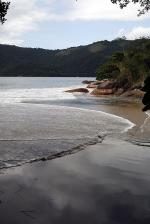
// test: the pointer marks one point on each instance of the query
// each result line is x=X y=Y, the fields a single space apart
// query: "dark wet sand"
x=108 y=183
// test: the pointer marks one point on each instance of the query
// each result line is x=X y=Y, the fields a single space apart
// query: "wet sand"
x=103 y=184
x=106 y=183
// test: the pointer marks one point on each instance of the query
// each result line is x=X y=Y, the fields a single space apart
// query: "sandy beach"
x=71 y=158
x=108 y=182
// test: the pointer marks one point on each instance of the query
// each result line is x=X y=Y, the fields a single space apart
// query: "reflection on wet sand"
x=106 y=183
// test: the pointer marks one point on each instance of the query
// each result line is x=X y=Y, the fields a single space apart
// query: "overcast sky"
x=57 y=24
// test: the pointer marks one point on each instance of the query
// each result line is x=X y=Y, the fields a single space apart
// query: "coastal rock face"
x=94 y=84
x=91 y=86
x=98 y=92
x=108 y=87
x=87 y=82
x=78 y=90
x=104 y=88
x=134 y=93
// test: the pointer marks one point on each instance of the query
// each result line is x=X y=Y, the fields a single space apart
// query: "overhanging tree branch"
x=3 y=10
x=144 y=5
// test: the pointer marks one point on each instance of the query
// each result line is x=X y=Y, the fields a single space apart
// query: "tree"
x=3 y=10
x=144 y=4
x=107 y=71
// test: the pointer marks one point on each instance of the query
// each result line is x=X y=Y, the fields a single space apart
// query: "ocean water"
x=21 y=89
x=39 y=120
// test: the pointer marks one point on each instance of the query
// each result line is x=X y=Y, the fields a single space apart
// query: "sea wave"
x=30 y=132
x=36 y=94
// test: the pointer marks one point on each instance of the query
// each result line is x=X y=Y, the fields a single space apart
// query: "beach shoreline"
x=108 y=174
x=69 y=189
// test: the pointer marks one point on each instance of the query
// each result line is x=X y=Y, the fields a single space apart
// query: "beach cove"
x=105 y=180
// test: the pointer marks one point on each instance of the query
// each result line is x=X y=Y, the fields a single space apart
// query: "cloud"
x=94 y=10
x=138 y=32
x=23 y=16
x=27 y=15
x=102 y=10
x=135 y=33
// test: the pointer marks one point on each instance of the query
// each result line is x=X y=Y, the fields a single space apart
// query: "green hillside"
x=76 y=61
x=129 y=66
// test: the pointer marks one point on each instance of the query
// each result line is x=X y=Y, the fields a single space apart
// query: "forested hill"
x=129 y=67
x=76 y=61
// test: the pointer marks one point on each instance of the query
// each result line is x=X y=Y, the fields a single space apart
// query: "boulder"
x=106 y=85
x=119 y=91
x=78 y=90
x=98 y=92
x=104 y=88
x=136 y=93
x=87 y=82
x=94 y=84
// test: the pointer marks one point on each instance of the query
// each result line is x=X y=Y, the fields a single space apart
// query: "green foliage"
x=78 y=61
x=133 y=64
x=144 y=4
x=107 y=71
x=117 y=57
x=3 y=11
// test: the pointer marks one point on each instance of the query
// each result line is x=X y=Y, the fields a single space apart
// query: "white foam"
x=12 y=96
x=127 y=123
x=39 y=94
x=148 y=113
x=130 y=124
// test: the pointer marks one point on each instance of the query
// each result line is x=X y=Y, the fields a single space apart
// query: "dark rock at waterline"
x=91 y=86
x=87 y=82
x=135 y=93
x=99 y=92
x=106 y=85
x=79 y=90
x=104 y=88
x=94 y=84
x=146 y=98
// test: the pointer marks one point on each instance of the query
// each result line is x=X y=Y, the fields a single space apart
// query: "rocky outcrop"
x=79 y=90
x=136 y=93
x=87 y=82
x=125 y=89
x=94 y=84
x=104 y=88
x=98 y=92
x=91 y=86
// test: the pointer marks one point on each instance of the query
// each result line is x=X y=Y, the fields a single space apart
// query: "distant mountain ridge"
x=76 y=61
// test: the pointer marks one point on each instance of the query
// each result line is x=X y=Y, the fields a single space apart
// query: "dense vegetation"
x=129 y=66
x=76 y=61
